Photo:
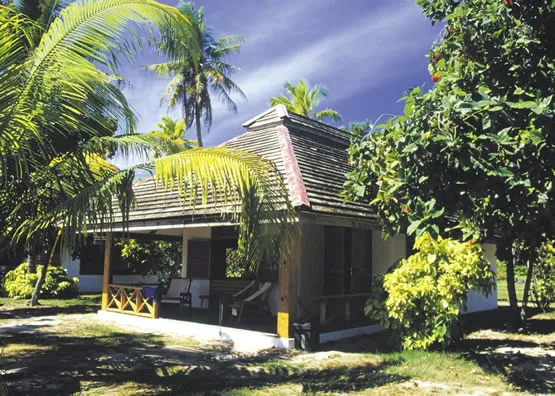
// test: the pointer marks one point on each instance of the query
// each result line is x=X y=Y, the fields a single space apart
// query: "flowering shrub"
x=18 y=283
x=422 y=297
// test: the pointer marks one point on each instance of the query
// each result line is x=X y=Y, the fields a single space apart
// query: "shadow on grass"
x=66 y=365
x=533 y=372
x=22 y=313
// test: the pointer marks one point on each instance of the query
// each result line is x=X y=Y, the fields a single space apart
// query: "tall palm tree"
x=303 y=100
x=194 y=78
x=58 y=115
x=171 y=134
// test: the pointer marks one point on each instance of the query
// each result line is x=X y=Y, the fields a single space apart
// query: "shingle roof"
x=310 y=155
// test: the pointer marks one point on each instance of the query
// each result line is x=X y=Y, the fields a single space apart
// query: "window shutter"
x=198 y=258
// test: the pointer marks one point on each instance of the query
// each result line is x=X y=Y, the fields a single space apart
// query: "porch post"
x=107 y=269
x=287 y=304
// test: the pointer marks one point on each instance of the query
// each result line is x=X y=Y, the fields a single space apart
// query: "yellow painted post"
x=287 y=304
x=107 y=270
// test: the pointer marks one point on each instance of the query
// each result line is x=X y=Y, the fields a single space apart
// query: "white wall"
x=476 y=301
x=386 y=252
x=199 y=287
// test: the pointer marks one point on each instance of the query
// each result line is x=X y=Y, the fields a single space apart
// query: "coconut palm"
x=194 y=79
x=303 y=100
x=171 y=134
x=59 y=109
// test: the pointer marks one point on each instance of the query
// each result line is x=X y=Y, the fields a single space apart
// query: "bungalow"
x=339 y=249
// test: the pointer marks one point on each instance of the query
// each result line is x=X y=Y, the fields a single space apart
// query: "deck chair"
x=179 y=292
x=258 y=300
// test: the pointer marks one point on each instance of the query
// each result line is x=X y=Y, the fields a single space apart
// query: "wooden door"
x=335 y=260
x=361 y=260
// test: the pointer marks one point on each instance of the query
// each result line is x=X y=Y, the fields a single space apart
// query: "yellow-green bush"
x=18 y=283
x=421 y=298
x=543 y=279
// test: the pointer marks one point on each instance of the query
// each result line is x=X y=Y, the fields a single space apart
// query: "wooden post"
x=287 y=305
x=347 y=310
x=107 y=269
x=323 y=313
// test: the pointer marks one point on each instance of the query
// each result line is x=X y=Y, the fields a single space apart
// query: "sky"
x=367 y=53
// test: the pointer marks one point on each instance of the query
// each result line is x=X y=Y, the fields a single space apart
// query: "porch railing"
x=131 y=300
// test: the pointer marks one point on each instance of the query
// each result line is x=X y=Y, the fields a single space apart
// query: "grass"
x=92 y=358
x=503 y=294
x=85 y=300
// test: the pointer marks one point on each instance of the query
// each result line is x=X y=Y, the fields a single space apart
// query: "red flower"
x=508 y=2
x=436 y=77
x=437 y=56
x=451 y=31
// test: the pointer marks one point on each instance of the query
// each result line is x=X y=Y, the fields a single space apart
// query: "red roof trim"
x=293 y=176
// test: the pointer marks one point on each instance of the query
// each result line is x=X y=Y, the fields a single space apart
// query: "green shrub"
x=18 y=283
x=421 y=298
x=543 y=280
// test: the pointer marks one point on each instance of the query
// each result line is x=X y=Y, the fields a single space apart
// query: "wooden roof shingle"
x=311 y=157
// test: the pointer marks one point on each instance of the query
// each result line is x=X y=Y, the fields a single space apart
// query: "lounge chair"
x=257 y=300
x=179 y=292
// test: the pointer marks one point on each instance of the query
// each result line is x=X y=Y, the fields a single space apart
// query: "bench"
x=221 y=287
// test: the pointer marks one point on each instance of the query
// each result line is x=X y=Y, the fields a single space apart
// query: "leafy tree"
x=303 y=100
x=474 y=156
x=59 y=108
x=543 y=287
x=360 y=129
x=193 y=78
x=422 y=296
x=160 y=258
x=172 y=132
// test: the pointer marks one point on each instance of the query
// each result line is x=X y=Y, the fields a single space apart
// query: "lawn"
x=503 y=294
x=94 y=358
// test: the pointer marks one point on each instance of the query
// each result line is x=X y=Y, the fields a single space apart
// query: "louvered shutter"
x=198 y=258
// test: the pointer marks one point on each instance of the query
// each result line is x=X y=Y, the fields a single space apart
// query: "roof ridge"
x=293 y=175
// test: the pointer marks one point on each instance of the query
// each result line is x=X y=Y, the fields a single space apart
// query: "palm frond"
x=328 y=114
x=61 y=73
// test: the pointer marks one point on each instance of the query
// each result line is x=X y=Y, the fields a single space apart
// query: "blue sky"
x=366 y=52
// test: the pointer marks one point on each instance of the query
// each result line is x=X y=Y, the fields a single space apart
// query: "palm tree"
x=58 y=114
x=170 y=132
x=303 y=100
x=193 y=79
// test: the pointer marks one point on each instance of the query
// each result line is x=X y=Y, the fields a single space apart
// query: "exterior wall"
x=478 y=302
x=386 y=252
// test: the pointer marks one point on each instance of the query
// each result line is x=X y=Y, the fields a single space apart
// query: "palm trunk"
x=197 y=124
x=44 y=270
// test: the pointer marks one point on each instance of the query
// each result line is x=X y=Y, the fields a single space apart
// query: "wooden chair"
x=225 y=290
x=257 y=300
x=178 y=292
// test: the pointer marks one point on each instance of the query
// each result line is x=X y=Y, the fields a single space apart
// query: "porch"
x=323 y=280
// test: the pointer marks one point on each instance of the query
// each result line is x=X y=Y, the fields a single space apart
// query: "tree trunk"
x=47 y=256
x=40 y=281
x=505 y=253
x=527 y=289
x=197 y=124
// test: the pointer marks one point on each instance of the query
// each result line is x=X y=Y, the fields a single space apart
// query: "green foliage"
x=422 y=297
x=475 y=155
x=303 y=100
x=19 y=283
x=160 y=258
x=543 y=277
